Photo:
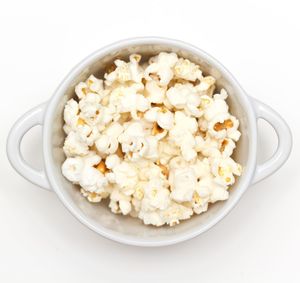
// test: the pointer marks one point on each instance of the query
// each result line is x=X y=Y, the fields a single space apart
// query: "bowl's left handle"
x=30 y=119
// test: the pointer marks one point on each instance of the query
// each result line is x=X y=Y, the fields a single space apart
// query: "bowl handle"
x=284 y=137
x=30 y=119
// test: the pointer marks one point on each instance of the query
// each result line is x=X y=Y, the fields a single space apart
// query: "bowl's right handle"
x=30 y=119
x=284 y=136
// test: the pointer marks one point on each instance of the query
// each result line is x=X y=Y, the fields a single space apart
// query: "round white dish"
x=126 y=229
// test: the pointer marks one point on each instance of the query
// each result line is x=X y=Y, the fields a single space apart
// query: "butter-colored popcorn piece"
x=154 y=92
x=112 y=160
x=139 y=191
x=136 y=142
x=201 y=168
x=183 y=184
x=224 y=170
x=216 y=107
x=224 y=125
x=174 y=213
x=81 y=89
x=93 y=197
x=107 y=144
x=71 y=114
x=156 y=196
x=185 y=96
x=108 y=141
x=87 y=134
x=94 y=84
x=119 y=202
x=151 y=218
x=182 y=134
x=81 y=170
x=72 y=169
x=207 y=85
x=162 y=116
x=208 y=146
x=162 y=66
x=166 y=151
x=218 y=194
x=74 y=146
x=148 y=170
x=199 y=204
x=226 y=147
x=90 y=108
x=126 y=177
x=187 y=70
x=93 y=180
x=128 y=99
x=125 y=72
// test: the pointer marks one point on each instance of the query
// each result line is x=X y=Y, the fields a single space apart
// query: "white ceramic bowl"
x=98 y=217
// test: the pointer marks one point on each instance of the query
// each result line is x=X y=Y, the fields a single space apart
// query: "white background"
x=257 y=41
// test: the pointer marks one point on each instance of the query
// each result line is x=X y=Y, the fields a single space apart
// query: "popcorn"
x=88 y=134
x=223 y=126
x=185 y=96
x=207 y=85
x=208 y=186
x=72 y=168
x=89 y=107
x=112 y=161
x=92 y=180
x=183 y=182
x=74 y=146
x=161 y=66
x=71 y=112
x=94 y=84
x=119 y=202
x=217 y=107
x=226 y=147
x=108 y=140
x=224 y=170
x=187 y=70
x=154 y=92
x=176 y=212
x=151 y=218
x=82 y=171
x=149 y=170
x=156 y=196
x=127 y=99
x=182 y=134
x=153 y=137
x=136 y=143
x=126 y=177
x=81 y=90
x=207 y=146
x=166 y=151
x=200 y=204
x=163 y=117
x=125 y=72
x=92 y=197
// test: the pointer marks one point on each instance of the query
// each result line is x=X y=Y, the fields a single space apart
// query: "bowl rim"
x=117 y=236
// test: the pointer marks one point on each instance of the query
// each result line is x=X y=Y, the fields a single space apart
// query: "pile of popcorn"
x=154 y=138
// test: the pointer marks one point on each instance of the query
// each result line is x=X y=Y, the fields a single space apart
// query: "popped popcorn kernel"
x=155 y=138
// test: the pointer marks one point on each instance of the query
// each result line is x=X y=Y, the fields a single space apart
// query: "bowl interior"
x=99 y=216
